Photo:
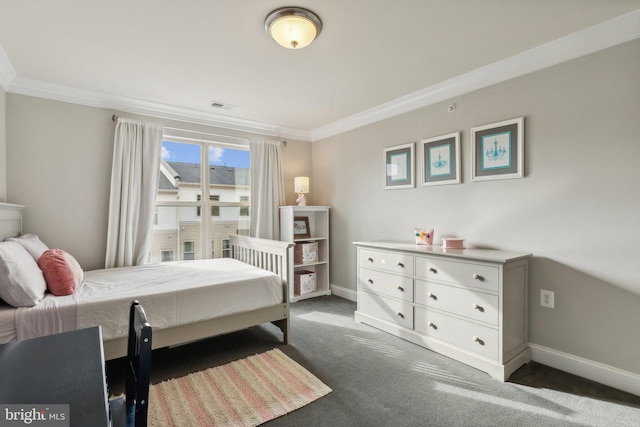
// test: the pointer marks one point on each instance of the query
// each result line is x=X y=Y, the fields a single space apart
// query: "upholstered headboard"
x=10 y=220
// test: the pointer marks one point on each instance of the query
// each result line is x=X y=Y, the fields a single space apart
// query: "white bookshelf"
x=318 y=218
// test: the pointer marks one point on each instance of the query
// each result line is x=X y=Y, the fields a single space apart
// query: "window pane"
x=229 y=182
x=216 y=202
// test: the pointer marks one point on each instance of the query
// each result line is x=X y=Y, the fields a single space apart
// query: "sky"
x=190 y=153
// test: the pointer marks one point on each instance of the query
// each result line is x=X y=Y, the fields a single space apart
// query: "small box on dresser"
x=304 y=282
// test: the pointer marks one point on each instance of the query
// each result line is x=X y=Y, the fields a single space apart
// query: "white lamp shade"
x=293 y=27
x=293 y=32
x=301 y=184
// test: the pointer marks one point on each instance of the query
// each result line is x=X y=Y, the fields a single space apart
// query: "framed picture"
x=441 y=160
x=301 y=228
x=497 y=150
x=398 y=166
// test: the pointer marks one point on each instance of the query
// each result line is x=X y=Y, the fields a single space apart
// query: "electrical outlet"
x=547 y=298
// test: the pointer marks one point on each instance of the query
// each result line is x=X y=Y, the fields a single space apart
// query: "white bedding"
x=7 y=323
x=172 y=293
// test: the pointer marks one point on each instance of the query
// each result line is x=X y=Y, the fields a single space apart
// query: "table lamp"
x=301 y=186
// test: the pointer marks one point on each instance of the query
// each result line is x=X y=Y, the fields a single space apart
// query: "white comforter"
x=172 y=293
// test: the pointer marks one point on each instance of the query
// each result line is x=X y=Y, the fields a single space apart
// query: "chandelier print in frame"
x=441 y=160
x=498 y=150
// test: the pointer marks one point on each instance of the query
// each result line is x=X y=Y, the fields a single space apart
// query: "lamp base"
x=302 y=199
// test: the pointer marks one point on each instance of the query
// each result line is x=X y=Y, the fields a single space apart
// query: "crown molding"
x=41 y=89
x=607 y=34
x=7 y=72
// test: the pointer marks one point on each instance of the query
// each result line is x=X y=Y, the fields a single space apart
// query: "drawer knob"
x=370 y=259
x=400 y=288
x=370 y=281
x=478 y=307
x=432 y=296
x=432 y=325
x=478 y=340
x=432 y=270
x=401 y=265
x=400 y=315
x=478 y=277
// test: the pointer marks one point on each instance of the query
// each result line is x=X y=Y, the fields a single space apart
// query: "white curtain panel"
x=267 y=188
x=134 y=182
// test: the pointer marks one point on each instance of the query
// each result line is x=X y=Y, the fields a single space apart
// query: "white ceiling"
x=373 y=59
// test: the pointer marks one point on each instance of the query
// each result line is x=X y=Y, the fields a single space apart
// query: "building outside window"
x=187 y=223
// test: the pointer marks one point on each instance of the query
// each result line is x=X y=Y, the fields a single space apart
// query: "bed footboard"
x=271 y=255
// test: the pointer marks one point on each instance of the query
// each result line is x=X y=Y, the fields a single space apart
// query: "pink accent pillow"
x=61 y=271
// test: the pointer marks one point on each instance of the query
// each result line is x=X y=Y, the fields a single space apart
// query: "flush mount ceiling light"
x=293 y=27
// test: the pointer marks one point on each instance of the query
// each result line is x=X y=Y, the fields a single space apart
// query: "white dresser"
x=467 y=304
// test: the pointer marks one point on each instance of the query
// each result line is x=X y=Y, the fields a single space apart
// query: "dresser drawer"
x=386 y=283
x=393 y=262
x=470 y=336
x=384 y=308
x=463 y=273
x=463 y=302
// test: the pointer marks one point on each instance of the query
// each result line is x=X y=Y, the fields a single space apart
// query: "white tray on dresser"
x=467 y=304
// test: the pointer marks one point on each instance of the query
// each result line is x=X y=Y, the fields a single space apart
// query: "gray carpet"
x=380 y=380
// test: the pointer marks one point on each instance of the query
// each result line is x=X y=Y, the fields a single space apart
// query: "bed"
x=185 y=300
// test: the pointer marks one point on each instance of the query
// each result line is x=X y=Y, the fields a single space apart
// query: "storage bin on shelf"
x=304 y=282
x=305 y=252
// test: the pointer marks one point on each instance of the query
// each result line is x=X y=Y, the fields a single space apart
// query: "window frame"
x=207 y=234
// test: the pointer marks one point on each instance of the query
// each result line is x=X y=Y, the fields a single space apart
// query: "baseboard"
x=345 y=293
x=595 y=371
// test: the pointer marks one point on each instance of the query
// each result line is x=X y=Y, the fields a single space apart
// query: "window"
x=215 y=209
x=166 y=255
x=244 y=210
x=226 y=248
x=188 y=250
x=199 y=206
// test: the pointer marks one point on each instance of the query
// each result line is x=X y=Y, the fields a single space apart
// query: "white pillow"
x=22 y=283
x=32 y=244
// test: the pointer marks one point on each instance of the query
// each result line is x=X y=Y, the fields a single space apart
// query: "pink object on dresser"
x=452 y=243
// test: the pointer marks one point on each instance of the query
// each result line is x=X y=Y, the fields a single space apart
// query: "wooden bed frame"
x=271 y=255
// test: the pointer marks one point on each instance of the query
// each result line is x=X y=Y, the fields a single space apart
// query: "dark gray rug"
x=380 y=380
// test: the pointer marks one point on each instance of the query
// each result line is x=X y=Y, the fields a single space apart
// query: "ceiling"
x=372 y=60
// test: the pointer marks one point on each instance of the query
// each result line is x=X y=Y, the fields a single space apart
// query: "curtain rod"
x=115 y=118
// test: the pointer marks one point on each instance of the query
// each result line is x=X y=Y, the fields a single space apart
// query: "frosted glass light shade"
x=301 y=184
x=293 y=27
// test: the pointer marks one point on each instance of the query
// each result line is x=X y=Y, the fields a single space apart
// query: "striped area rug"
x=247 y=392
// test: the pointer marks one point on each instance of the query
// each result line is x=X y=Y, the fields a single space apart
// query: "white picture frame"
x=441 y=160
x=399 y=167
x=497 y=150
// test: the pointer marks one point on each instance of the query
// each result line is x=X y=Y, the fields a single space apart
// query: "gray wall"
x=577 y=210
x=59 y=159
x=3 y=145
